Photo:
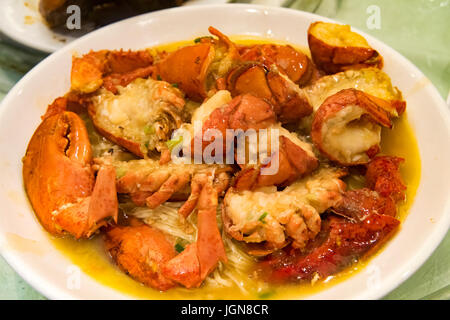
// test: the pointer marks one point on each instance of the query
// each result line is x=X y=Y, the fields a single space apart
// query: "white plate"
x=21 y=21
x=45 y=268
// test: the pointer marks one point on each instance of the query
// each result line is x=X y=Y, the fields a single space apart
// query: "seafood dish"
x=217 y=163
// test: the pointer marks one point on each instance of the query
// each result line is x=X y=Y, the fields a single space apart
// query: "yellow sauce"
x=401 y=142
x=244 y=40
x=91 y=257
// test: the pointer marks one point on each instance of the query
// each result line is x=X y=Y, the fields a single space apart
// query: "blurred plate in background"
x=21 y=21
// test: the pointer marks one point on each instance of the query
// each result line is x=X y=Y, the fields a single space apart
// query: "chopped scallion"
x=179 y=248
x=197 y=40
x=262 y=217
x=120 y=172
x=149 y=129
x=266 y=294
x=172 y=143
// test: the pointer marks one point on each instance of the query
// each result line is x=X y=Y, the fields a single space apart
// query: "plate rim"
x=52 y=291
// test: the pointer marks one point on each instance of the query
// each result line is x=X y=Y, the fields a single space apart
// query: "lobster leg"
x=200 y=258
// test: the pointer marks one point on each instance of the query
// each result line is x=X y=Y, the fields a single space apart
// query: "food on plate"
x=384 y=177
x=267 y=71
x=272 y=217
x=190 y=266
x=147 y=182
x=140 y=251
x=60 y=182
x=344 y=240
x=289 y=102
x=292 y=156
x=109 y=69
x=294 y=63
x=347 y=127
x=365 y=221
x=371 y=81
x=335 y=48
x=196 y=69
x=224 y=164
x=141 y=116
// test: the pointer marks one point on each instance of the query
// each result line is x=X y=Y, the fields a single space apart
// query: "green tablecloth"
x=418 y=29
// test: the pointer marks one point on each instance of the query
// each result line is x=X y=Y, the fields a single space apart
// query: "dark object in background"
x=97 y=13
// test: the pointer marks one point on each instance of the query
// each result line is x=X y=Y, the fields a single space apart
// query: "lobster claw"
x=60 y=181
